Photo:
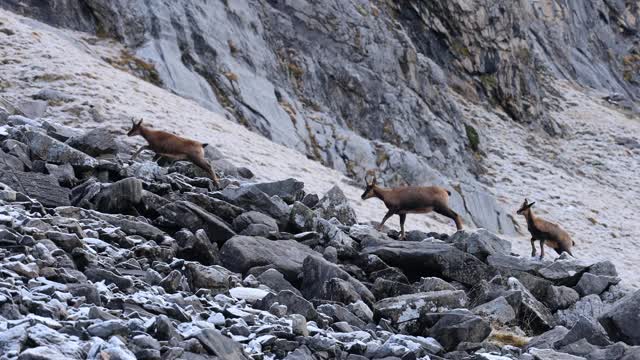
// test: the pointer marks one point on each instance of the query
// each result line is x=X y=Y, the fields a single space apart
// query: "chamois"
x=411 y=200
x=543 y=230
x=172 y=146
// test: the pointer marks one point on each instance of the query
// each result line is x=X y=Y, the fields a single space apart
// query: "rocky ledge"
x=105 y=258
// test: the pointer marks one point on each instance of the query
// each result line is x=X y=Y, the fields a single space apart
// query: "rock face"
x=389 y=97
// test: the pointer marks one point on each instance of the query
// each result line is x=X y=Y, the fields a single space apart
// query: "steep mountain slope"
x=585 y=180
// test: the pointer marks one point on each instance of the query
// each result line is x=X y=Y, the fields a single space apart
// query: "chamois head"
x=135 y=128
x=526 y=205
x=368 y=192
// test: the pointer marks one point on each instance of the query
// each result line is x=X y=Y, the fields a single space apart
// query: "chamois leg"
x=541 y=249
x=533 y=247
x=384 y=219
x=403 y=217
x=156 y=157
x=451 y=215
x=135 y=154
x=204 y=164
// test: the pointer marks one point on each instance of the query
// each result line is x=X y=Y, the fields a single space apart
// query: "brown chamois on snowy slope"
x=543 y=230
x=411 y=200
x=172 y=146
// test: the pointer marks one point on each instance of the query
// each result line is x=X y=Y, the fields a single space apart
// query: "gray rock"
x=97 y=142
x=64 y=173
x=95 y=275
x=276 y=281
x=590 y=306
x=42 y=353
x=594 y=284
x=561 y=297
x=241 y=253
x=361 y=310
x=339 y=313
x=459 y=325
x=119 y=197
x=33 y=109
x=587 y=329
x=299 y=325
x=548 y=354
x=336 y=205
x=12 y=339
x=106 y=329
x=480 y=243
x=219 y=345
x=196 y=247
x=433 y=284
x=301 y=218
x=51 y=150
x=187 y=215
x=207 y=277
x=43 y=188
x=408 y=307
x=547 y=339
x=532 y=313
x=171 y=283
x=508 y=263
x=497 y=309
x=289 y=190
x=295 y=304
x=252 y=218
x=317 y=272
x=251 y=198
x=621 y=322
x=427 y=258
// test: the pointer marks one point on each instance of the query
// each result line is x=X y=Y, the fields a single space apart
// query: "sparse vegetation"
x=631 y=67
x=49 y=77
x=134 y=65
x=502 y=338
x=288 y=108
x=474 y=138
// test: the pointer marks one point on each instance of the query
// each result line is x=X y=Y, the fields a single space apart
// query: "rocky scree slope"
x=361 y=84
x=104 y=257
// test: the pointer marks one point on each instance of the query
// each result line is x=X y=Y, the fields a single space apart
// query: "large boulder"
x=220 y=346
x=289 y=190
x=196 y=247
x=43 y=188
x=594 y=284
x=51 y=150
x=408 y=307
x=248 y=218
x=119 y=197
x=336 y=205
x=480 y=243
x=242 y=253
x=187 y=215
x=457 y=326
x=252 y=198
x=622 y=319
x=207 y=277
x=532 y=313
x=587 y=329
x=276 y=281
x=498 y=310
x=590 y=306
x=317 y=275
x=428 y=259
x=96 y=142
x=295 y=304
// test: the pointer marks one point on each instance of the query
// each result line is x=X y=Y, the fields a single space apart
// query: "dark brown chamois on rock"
x=411 y=200
x=545 y=231
x=172 y=146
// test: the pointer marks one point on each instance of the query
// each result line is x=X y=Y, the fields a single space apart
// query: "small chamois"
x=172 y=146
x=411 y=200
x=543 y=230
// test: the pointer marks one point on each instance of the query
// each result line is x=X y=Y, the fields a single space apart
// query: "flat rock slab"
x=428 y=259
x=44 y=188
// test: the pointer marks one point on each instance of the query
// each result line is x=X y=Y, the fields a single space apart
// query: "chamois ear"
x=133 y=122
x=140 y=122
x=531 y=204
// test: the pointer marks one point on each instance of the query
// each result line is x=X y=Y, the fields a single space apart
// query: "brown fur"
x=545 y=231
x=172 y=146
x=412 y=200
